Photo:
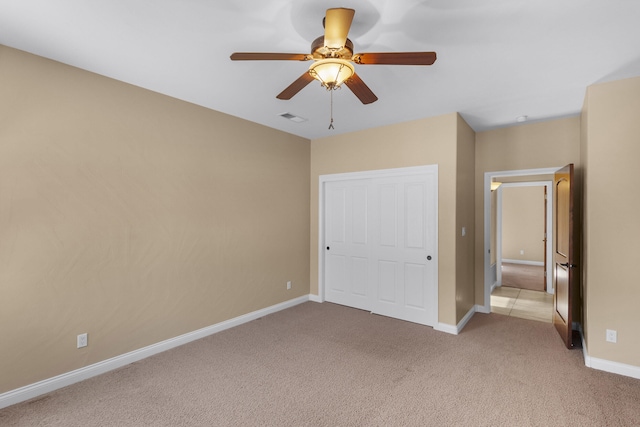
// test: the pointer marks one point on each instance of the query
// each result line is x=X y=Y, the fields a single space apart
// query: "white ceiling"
x=497 y=59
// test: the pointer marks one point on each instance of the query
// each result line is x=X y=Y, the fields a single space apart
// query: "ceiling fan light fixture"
x=331 y=72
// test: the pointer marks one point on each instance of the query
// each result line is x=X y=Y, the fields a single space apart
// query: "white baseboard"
x=613 y=367
x=315 y=298
x=455 y=330
x=485 y=309
x=603 y=364
x=46 y=386
x=524 y=262
x=445 y=327
x=494 y=286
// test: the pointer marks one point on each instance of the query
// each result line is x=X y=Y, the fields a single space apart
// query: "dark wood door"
x=565 y=251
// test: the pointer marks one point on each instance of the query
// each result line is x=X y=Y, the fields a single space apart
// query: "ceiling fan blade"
x=361 y=90
x=336 y=27
x=296 y=86
x=258 y=56
x=395 y=58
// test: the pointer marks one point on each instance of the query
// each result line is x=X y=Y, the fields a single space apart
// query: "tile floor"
x=523 y=303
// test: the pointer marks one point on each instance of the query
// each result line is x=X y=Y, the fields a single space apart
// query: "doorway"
x=524 y=230
x=490 y=276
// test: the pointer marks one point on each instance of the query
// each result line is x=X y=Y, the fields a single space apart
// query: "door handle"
x=566 y=264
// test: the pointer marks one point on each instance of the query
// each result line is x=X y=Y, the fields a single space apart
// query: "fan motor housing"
x=320 y=51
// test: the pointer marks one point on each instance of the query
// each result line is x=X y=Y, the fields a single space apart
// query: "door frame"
x=371 y=174
x=548 y=250
x=488 y=177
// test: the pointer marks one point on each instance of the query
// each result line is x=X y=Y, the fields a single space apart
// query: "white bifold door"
x=381 y=245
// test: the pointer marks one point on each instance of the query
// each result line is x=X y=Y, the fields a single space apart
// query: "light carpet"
x=328 y=365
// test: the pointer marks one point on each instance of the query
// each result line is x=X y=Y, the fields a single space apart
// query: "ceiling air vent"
x=293 y=118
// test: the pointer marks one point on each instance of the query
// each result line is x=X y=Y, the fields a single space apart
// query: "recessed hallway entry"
x=380 y=242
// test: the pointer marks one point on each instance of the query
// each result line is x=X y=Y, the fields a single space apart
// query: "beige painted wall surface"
x=612 y=206
x=422 y=142
x=523 y=223
x=465 y=290
x=134 y=217
x=584 y=120
x=530 y=146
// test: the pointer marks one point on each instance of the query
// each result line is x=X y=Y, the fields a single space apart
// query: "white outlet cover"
x=82 y=340
x=612 y=336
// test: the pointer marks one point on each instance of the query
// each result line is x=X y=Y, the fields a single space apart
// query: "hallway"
x=523 y=303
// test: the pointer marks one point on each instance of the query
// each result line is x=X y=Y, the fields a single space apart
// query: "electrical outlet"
x=82 y=340
x=289 y=284
x=612 y=336
x=521 y=251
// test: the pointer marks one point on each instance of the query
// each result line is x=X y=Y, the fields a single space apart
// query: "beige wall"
x=523 y=223
x=134 y=217
x=611 y=225
x=421 y=142
x=584 y=120
x=529 y=146
x=465 y=293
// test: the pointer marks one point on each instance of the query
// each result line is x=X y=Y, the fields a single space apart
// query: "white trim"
x=46 y=386
x=482 y=309
x=494 y=272
x=379 y=173
x=488 y=176
x=587 y=360
x=614 y=367
x=498 y=247
x=603 y=364
x=371 y=174
x=523 y=262
x=445 y=327
x=462 y=323
x=315 y=298
x=455 y=330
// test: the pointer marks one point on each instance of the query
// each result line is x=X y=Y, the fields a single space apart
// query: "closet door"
x=380 y=238
x=404 y=251
x=347 y=251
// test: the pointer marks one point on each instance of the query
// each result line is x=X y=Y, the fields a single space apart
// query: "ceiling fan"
x=333 y=58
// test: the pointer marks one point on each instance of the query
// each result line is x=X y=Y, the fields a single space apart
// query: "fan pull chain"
x=331 y=123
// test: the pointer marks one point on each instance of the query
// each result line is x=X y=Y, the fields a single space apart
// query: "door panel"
x=387 y=281
x=359 y=276
x=411 y=204
x=414 y=230
x=347 y=241
x=565 y=265
x=414 y=279
x=388 y=219
x=562 y=293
